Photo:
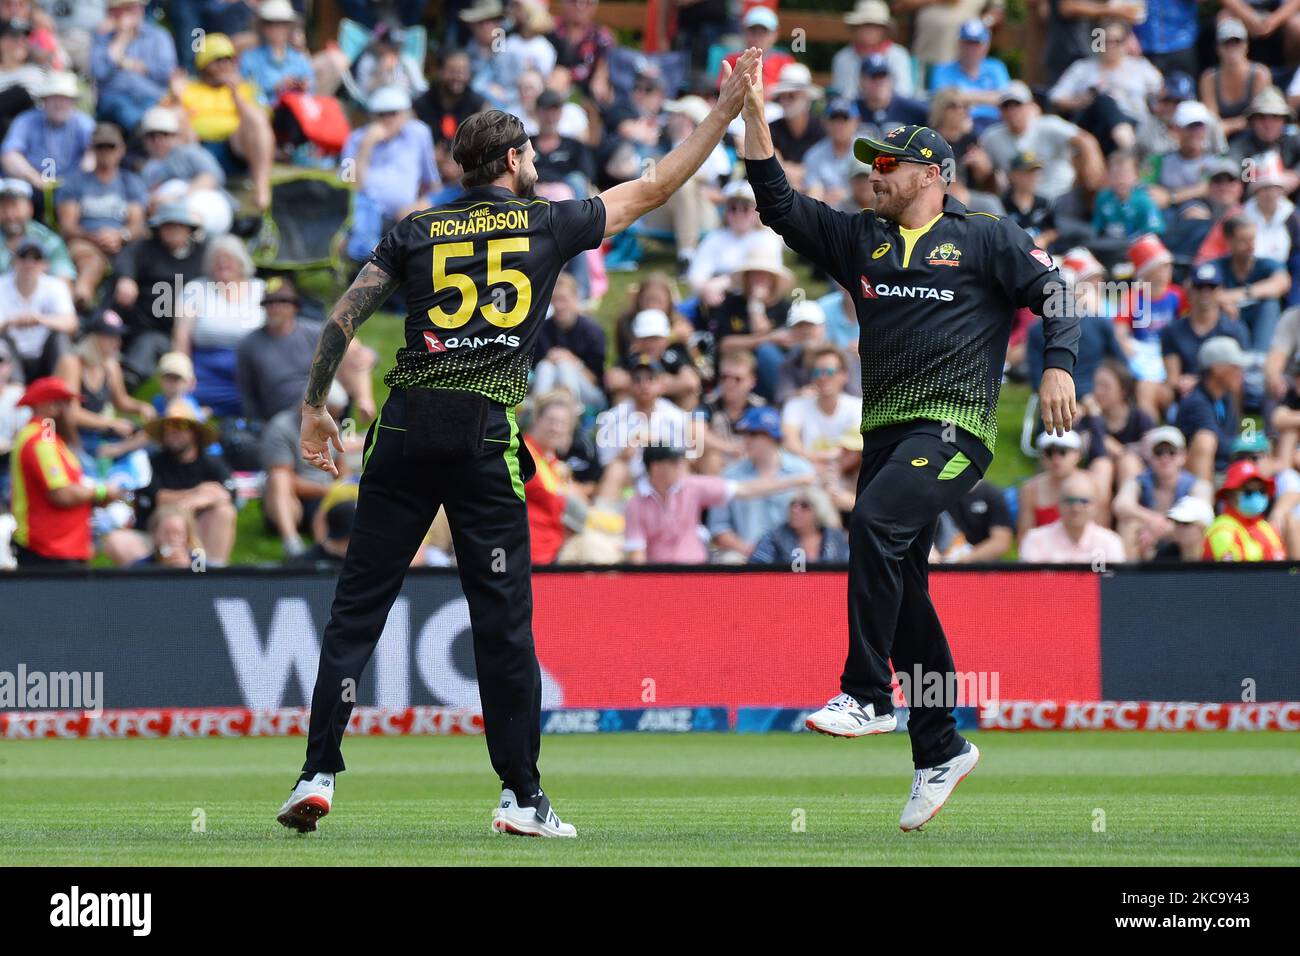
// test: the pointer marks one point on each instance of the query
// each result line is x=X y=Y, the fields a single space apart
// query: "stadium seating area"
x=187 y=185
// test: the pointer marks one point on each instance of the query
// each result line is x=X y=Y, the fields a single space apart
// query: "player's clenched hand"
x=318 y=433
x=735 y=83
x=1056 y=396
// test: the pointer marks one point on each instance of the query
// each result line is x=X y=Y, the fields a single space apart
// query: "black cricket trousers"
x=902 y=490
x=397 y=500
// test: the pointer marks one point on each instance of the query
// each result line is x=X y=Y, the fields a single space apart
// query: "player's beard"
x=525 y=183
x=891 y=204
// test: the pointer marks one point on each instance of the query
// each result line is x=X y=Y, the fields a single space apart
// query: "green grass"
x=1168 y=799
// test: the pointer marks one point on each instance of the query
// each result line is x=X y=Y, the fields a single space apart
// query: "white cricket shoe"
x=843 y=716
x=538 y=821
x=932 y=787
x=310 y=800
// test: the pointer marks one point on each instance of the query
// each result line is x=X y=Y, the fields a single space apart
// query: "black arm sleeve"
x=1031 y=281
x=389 y=254
x=578 y=225
x=811 y=228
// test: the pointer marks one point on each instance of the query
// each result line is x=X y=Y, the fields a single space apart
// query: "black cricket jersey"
x=477 y=274
x=934 y=306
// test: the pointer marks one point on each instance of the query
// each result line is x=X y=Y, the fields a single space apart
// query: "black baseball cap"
x=918 y=144
x=661 y=453
x=643 y=363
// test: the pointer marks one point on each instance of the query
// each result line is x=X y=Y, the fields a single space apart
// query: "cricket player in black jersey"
x=477 y=275
x=935 y=287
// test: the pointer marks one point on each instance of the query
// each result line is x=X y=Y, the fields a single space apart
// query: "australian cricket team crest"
x=944 y=254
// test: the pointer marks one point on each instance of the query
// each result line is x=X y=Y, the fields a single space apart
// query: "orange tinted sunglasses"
x=885 y=163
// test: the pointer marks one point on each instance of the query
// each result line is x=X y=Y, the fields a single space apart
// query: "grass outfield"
x=1168 y=799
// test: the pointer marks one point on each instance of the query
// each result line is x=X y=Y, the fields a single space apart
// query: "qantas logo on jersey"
x=882 y=290
x=452 y=342
x=433 y=343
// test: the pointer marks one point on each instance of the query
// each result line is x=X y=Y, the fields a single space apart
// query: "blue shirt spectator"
x=270 y=72
x=1097 y=342
x=53 y=140
x=1199 y=411
x=103 y=205
x=974 y=71
x=134 y=77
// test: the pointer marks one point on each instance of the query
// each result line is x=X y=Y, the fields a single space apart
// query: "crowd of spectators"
x=150 y=372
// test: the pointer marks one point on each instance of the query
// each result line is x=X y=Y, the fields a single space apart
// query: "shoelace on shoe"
x=842 y=702
x=918 y=783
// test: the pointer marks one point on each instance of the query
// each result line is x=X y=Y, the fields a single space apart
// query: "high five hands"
x=738 y=82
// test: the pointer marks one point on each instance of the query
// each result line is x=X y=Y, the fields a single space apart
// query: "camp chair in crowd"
x=353 y=40
x=306 y=223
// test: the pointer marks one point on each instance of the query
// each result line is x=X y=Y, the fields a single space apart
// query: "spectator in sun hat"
x=1277 y=226
x=491 y=72
x=148 y=273
x=879 y=103
x=798 y=129
x=1039 y=496
x=759 y=27
x=1229 y=88
x=829 y=162
x=1209 y=416
x=273 y=362
x=52 y=499
x=224 y=114
x=737 y=526
x=1253 y=286
x=50 y=138
x=36 y=313
x=1153 y=302
x=1242 y=531
x=1188 y=519
x=1142 y=501
x=131 y=62
x=870 y=24
x=275 y=65
x=186 y=173
x=1181 y=340
x=1178 y=177
x=652 y=339
x=99 y=211
x=756 y=306
x=721 y=250
x=1076 y=537
x=1267 y=122
x=978 y=75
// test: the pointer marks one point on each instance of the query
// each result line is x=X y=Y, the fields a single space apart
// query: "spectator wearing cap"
x=1223 y=194
x=804 y=335
x=1277 y=226
x=1124 y=209
x=294 y=487
x=1144 y=500
x=664 y=516
x=131 y=62
x=1158 y=132
x=879 y=104
x=862 y=195
x=1025 y=205
x=1229 y=88
x=827 y=165
x=1253 y=287
x=217 y=311
x=652 y=340
x=657 y=290
x=759 y=27
x=36 y=314
x=146 y=276
x=52 y=499
x=870 y=24
x=185 y=476
x=99 y=416
x=489 y=72
x=814 y=422
x=330 y=551
x=100 y=211
x=1108 y=92
x=1152 y=304
x=385 y=62
x=176 y=383
x=1039 y=496
x=936 y=22
x=1178 y=177
x=450 y=100
x=642 y=420
x=223 y=112
x=395 y=171
x=980 y=76
x=51 y=139
x=1057 y=143
x=812 y=533
x=737 y=526
x=186 y=173
x=726 y=405
x=722 y=250
x=1242 y=531
x=570 y=348
x=797 y=130
x=983 y=520
x=1268 y=120
x=275 y=66
x=1097 y=338
x=752 y=314
x=1188 y=519
x=1209 y=416
x=1076 y=537
x=20 y=79
x=560 y=158
x=583 y=45
x=1181 y=340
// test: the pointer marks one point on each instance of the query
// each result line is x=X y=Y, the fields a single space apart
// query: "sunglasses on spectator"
x=1075 y=501
x=886 y=164
x=823 y=371
x=739 y=206
x=801 y=503
x=644 y=88
x=1053 y=450
x=31 y=255
x=1161 y=451
x=106 y=147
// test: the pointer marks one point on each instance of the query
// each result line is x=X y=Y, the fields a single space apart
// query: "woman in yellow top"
x=224 y=114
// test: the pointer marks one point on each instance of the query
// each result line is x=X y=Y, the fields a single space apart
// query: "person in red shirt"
x=759 y=29
x=547 y=492
x=52 y=500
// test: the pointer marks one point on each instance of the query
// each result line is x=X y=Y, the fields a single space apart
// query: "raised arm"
x=362 y=299
x=627 y=202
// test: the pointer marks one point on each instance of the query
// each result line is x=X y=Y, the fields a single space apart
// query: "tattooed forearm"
x=366 y=294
